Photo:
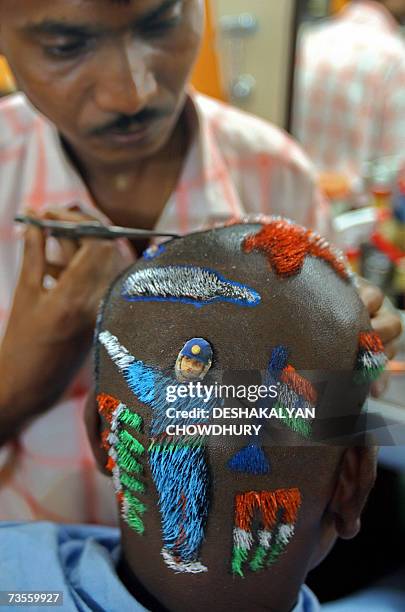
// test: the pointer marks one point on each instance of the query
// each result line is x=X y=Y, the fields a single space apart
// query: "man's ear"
x=93 y=426
x=355 y=480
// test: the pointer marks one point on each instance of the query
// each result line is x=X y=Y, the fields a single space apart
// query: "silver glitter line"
x=186 y=283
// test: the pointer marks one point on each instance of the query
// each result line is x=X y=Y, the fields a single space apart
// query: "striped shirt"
x=236 y=165
x=349 y=102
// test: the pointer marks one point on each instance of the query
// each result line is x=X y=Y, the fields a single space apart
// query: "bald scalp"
x=292 y=311
x=316 y=315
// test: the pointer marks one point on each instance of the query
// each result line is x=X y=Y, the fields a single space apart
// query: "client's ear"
x=355 y=480
x=93 y=427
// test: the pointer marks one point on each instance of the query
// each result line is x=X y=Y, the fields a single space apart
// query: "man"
x=117 y=136
x=212 y=531
x=349 y=103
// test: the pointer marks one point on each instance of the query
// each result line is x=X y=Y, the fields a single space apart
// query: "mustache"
x=124 y=123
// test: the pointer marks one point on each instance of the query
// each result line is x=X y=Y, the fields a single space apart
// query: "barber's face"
x=109 y=74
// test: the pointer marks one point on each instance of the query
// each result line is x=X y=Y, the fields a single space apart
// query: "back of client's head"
x=233 y=512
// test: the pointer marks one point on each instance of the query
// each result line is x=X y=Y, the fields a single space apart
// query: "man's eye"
x=159 y=28
x=66 y=50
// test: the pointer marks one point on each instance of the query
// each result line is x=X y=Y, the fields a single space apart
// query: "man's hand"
x=384 y=321
x=49 y=332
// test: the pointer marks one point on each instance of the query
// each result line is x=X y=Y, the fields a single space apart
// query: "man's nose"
x=126 y=85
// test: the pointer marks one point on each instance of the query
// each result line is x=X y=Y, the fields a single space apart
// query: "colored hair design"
x=153 y=252
x=278 y=512
x=371 y=359
x=178 y=464
x=124 y=453
x=251 y=460
x=286 y=245
x=294 y=391
x=188 y=285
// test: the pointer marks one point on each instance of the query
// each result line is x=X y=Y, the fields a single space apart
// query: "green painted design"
x=135 y=508
x=172 y=447
x=126 y=460
x=130 y=443
x=299 y=425
x=131 y=483
x=239 y=557
x=277 y=549
x=368 y=375
x=135 y=521
x=135 y=503
x=131 y=419
x=257 y=563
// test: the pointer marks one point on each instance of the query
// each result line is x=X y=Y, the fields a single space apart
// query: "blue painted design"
x=251 y=460
x=142 y=381
x=178 y=463
x=278 y=361
x=187 y=285
x=150 y=386
x=205 y=350
x=181 y=478
x=153 y=252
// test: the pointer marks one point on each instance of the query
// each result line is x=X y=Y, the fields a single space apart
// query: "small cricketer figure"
x=194 y=360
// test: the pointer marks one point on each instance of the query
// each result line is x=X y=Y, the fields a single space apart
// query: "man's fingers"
x=379 y=386
x=388 y=325
x=33 y=264
x=60 y=251
x=372 y=298
x=73 y=215
x=93 y=267
x=391 y=349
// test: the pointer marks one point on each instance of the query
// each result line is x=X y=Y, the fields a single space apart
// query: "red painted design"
x=104 y=440
x=269 y=503
x=286 y=245
x=300 y=385
x=110 y=464
x=106 y=406
x=371 y=341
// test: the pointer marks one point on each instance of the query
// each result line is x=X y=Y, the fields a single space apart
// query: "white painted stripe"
x=116 y=415
x=116 y=479
x=265 y=538
x=112 y=438
x=183 y=567
x=118 y=353
x=285 y=533
x=125 y=508
x=242 y=538
x=372 y=360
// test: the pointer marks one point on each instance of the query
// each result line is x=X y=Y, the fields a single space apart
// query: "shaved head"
x=242 y=305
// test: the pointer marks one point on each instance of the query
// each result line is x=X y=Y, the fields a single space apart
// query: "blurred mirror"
x=7 y=84
x=348 y=113
x=349 y=98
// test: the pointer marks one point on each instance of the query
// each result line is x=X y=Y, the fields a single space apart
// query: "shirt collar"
x=211 y=163
x=203 y=165
x=307 y=601
x=370 y=13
